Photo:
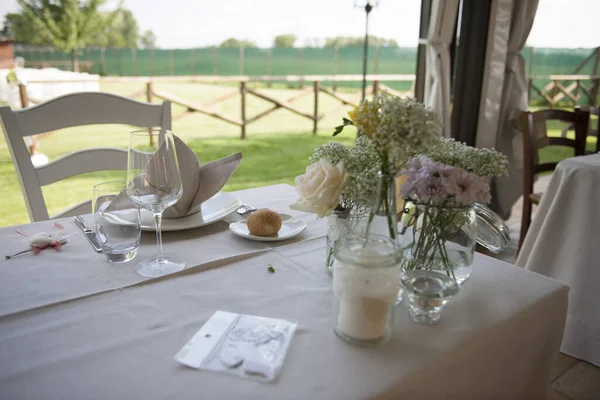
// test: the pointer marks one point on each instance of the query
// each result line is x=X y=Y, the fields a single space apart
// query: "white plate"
x=214 y=209
x=290 y=227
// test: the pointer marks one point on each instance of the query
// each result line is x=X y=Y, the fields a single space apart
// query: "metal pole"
x=368 y=8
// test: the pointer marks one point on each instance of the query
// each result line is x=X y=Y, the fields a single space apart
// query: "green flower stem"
x=437 y=225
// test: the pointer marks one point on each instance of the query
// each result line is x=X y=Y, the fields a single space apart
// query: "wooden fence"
x=571 y=88
x=150 y=92
x=565 y=88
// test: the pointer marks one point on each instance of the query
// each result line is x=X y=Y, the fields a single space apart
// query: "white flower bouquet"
x=398 y=128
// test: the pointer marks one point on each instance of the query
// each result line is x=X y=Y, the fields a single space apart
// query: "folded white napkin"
x=199 y=182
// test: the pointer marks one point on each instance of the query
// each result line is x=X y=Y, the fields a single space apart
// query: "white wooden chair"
x=71 y=110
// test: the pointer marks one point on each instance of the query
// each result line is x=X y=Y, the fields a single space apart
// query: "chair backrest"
x=77 y=109
x=532 y=143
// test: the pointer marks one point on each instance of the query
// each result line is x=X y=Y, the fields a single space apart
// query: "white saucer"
x=214 y=209
x=290 y=227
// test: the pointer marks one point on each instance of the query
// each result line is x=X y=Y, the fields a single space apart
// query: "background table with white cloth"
x=73 y=326
x=563 y=242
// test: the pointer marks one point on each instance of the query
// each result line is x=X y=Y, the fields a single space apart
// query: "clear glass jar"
x=366 y=274
x=384 y=220
x=341 y=224
x=439 y=238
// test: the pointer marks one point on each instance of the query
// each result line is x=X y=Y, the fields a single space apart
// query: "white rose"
x=319 y=188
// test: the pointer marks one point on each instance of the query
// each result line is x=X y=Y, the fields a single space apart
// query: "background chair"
x=67 y=111
x=533 y=128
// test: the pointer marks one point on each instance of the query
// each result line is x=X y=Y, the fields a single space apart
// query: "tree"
x=119 y=29
x=237 y=43
x=286 y=40
x=66 y=24
x=20 y=27
x=147 y=40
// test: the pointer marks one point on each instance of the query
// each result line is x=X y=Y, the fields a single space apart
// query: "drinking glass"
x=116 y=222
x=154 y=183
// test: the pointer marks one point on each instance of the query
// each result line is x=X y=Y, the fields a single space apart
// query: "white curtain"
x=437 y=65
x=504 y=95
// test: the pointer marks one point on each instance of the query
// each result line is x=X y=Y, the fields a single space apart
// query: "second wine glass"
x=154 y=183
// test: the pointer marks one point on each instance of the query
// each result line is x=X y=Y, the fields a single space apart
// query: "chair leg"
x=525 y=220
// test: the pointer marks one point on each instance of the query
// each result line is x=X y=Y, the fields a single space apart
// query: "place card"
x=244 y=345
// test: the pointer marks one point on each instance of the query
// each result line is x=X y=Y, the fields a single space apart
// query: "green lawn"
x=277 y=148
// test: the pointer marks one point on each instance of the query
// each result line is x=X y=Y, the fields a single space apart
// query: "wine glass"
x=154 y=183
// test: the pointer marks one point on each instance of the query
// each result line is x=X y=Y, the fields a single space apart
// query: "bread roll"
x=264 y=222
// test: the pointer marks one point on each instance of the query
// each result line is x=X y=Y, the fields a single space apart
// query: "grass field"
x=277 y=148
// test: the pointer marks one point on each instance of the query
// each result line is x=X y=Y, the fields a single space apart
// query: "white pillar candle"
x=363 y=318
x=366 y=293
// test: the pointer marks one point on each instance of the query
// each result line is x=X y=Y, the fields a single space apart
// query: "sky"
x=199 y=23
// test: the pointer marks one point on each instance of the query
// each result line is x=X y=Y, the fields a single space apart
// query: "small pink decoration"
x=42 y=240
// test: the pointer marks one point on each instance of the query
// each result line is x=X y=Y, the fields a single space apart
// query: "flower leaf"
x=340 y=128
x=271 y=269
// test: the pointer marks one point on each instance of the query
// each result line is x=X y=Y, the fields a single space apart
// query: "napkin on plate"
x=199 y=182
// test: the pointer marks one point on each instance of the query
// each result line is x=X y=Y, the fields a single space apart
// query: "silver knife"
x=89 y=233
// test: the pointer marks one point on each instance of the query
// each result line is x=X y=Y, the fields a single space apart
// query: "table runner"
x=77 y=270
x=496 y=340
x=563 y=243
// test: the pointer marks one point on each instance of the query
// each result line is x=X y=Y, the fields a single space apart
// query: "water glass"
x=116 y=222
x=427 y=293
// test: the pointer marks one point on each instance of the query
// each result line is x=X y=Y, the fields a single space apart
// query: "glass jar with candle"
x=365 y=286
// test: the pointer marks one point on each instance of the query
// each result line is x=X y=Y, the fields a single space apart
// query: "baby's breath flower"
x=406 y=128
x=333 y=151
x=481 y=162
x=362 y=168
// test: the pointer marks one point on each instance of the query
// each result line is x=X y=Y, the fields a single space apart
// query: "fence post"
x=172 y=67
x=375 y=87
x=335 y=66
x=316 y=114
x=530 y=62
x=119 y=61
x=243 y=113
x=149 y=93
x=152 y=62
x=594 y=92
x=215 y=61
x=103 y=61
x=595 y=82
x=193 y=61
x=377 y=55
x=270 y=66
x=301 y=66
x=134 y=69
x=23 y=96
x=242 y=62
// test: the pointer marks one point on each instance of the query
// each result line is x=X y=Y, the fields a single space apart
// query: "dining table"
x=74 y=326
x=563 y=243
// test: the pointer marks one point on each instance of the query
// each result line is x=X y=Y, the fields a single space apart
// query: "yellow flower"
x=352 y=114
x=366 y=118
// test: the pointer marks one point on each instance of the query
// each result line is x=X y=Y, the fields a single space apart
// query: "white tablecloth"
x=73 y=326
x=563 y=243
